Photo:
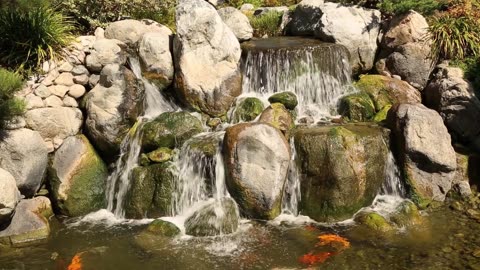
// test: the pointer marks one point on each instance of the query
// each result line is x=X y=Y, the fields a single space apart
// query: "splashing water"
x=119 y=180
x=292 y=194
x=318 y=73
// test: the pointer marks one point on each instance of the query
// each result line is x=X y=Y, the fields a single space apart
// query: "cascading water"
x=118 y=181
x=318 y=73
x=292 y=194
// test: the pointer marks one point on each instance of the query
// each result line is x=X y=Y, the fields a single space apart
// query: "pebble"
x=53 y=101
x=447 y=249
x=70 y=102
x=58 y=90
x=77 y=91
x=42 y=91
x=34 y=102
x=65 y=78
x=476 y=253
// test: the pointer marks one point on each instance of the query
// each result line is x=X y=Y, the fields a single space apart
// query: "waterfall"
x=292 y=193
x=318 y=73
x=119 y=180
x=392 y=185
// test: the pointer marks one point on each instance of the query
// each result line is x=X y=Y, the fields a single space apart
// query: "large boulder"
x=77 y=178
x=131 y=31
x=454 y=98
x=238 y=22
x=9 y=196
x=105 y=52
x=151 y=192
x=170 y=129
x=354 y=27
x=217 y=218
x=112 y=106
x=156 y=58
x=55 y=123
x=207 y=57
x=29 y=224
x=425 y=152
x=341 y=168
x=256 y=158
x=279 y=117
x=23 y=153
x=406 y=51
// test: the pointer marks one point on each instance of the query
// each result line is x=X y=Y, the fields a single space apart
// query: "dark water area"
x=446 y=239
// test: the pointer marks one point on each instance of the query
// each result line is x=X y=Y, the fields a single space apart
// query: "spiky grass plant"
x=267 y=24
x=9 y=105
x=29 y=37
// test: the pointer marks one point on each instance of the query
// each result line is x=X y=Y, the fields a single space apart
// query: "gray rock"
x=256 y=160
x=247 y=7
x=306 y=18
x=104 y=52
x=65 y=78
x=156 y=58
x=80 y=70
x=16 y=123
x=426 y=154
x=65 y=67
x=405 y=49
x=263 y=10
x=70 y=102
x=77 y=91
x=58 y=90
x=130 y=31
x=58 y=122
x=29 y=225
x=51 y=76
x=204 y=40
x=23 y=154
x=81 y=79
x=33 y=102
x=217 y=218
x=77 y=178
x=9 y=196
x=238 y=22
x=99 y=33
x=454 y=98
x=93 y=80
x=53 y=101
x=42 y=91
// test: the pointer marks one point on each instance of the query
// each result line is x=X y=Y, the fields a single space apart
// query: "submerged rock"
x=9 y=196
x=426 y=155
x=279 y=117
x=77 y=178
x=23 y=154
x=373 y=221
x=247 y=110
x=256 y=158
x=163 y=228
x=217 y=218
x=29 y=225
x=207 y=58
x=341 y=169
x=287 y=98
x=407 y=215
x=170 y=129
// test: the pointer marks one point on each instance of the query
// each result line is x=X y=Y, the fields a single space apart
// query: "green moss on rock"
x=247 y=110
x=217 y=218
x=357 y=107
x=160 y=155
x=279 y=117
x=373 y=221
x=382 y=114
x=288 y=99
x=163 y=228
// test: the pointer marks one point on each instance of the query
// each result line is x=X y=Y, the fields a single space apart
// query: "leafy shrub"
x=471 y=67
x=91 y=14
x=266 y=24
x=263 y=3
x=424 y=7
x=28 y=37
x=9 y=106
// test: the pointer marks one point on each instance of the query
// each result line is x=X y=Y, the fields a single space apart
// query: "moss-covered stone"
x=207 y=145
x=342 y=169
x=214 y=122
x=382 y=114
x=77 y=178
x=278 y=116
x=217 y=218
x=163 y=228
x=287 y=98
x=247 y=110
x=407 y=215
x=170 y=129
x=357 y=107
x=373 y=221
x=160 y=155
x=144 y=160
x=164 y=188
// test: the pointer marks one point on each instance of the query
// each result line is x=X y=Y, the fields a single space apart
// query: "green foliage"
x=91 y=14
x=267 y=24
x=28 y=37
x=455 y=37
x=471 y=67
x=424 y=7
x=262 y=3
x=9 y=106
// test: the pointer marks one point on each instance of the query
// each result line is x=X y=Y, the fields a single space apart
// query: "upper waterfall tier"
x=317 y=72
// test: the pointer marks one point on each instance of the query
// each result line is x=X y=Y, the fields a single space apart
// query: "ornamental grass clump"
x=29 y=37
x=9 y=105
x=267 y=24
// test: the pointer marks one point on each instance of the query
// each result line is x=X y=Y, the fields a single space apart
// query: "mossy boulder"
x=407 y=215
x=287 y=98
x=373 y=221
x=77 y=178
x=382 y=114
x=170 y=129
x=207 y=145
x=217 y=218
x=151 y=191
x=278 y=116
x=357 y=107
x=160 y=155
x=342 y=168
x=247 y=110
x=162 y=228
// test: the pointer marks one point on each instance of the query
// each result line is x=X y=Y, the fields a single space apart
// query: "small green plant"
x=425 y=7
x=28 y=37
x=9 y=105
x=471 y=67
x=266 y=24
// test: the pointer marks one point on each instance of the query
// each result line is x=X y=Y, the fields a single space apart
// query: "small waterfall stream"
x=118 y=181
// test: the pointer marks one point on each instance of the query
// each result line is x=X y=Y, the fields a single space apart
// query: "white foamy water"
x=292 y=194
